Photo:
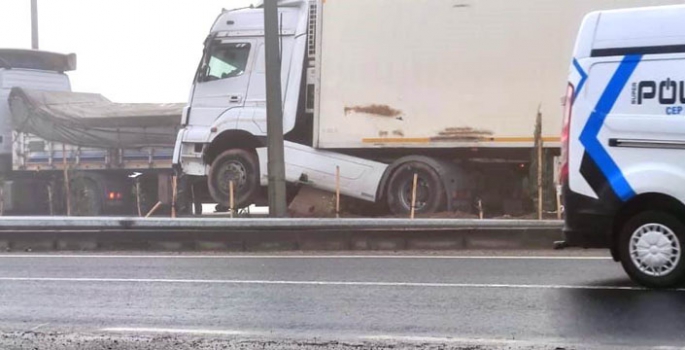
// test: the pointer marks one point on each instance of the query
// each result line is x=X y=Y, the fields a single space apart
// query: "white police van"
x=623 y=152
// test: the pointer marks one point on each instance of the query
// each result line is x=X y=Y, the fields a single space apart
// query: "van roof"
x=643 y=30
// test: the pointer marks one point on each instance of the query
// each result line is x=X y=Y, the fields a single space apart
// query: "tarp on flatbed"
x=91 y=120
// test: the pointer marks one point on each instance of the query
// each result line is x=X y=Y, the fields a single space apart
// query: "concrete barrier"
x=205 y=234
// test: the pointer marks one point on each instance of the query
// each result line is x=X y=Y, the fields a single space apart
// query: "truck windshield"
x=227 y=61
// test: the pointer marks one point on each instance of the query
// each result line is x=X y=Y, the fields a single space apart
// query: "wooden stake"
x=558 y=203
x=154 y=209
x=67 y=184
x=140 y=211
x=232 y=198
x=192 y=196
x=2 y=200
x=50 y=201
x=337 y=192
x=413 y=195
x=174 y=193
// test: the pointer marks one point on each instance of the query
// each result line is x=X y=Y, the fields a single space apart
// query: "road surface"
x=568 y=300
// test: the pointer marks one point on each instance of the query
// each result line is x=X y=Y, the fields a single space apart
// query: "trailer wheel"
x=86 y=199
x=430 y=191
x=651 y=249
x=184 y=200
x=239 y=166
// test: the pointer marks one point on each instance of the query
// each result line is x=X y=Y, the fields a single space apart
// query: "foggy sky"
x=128 y=50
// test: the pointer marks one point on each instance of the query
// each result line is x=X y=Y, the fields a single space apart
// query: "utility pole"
x=274 y=111
x=34 y=24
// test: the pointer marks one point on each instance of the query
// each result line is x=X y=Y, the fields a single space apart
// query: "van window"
x=227 y=61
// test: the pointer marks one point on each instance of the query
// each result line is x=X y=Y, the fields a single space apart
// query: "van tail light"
x=565 y=134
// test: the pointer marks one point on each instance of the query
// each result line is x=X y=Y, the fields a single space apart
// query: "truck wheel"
x=184 y=200
x=430 y=191
x=197 y=205
x=86 y=199
x=239 y=166
x=651 y=249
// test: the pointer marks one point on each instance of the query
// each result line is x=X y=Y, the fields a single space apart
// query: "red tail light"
x=565 y=134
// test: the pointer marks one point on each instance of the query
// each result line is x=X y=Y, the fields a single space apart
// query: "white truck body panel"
x=359 y=178
x=406 y=73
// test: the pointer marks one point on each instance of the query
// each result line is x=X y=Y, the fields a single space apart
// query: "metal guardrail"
x=214 y=224
x=222 y=234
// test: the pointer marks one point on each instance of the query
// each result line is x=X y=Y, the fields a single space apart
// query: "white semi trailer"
x=385 y=89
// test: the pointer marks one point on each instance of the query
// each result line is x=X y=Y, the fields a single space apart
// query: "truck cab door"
x=256 y=95
x=221 y=82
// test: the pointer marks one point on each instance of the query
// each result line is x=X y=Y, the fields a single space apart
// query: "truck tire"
x=240 y=166
x=187 y=204
x=651 y=249
x=197 y=206
x=430 y=191
x=86 y=197
x=184 y=200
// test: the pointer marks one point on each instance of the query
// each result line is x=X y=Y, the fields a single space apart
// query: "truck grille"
x=311 y=43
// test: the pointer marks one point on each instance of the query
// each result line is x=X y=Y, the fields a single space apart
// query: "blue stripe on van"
x=588 y=136
x=583 y=79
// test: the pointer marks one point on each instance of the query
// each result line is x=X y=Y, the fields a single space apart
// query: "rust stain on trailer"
x=375 y=110
x=462 y=134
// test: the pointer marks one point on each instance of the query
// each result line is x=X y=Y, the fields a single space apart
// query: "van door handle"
x=235 y=99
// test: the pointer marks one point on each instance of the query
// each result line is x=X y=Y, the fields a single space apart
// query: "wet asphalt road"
x=566 y=300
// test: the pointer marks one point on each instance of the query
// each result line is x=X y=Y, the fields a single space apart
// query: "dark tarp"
x=91 y=120
x=39 y=60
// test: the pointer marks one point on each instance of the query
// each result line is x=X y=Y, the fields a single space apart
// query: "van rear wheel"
x=651 y=249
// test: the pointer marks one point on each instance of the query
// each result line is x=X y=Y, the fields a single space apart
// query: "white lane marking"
x=276 y=257
x=39 y=326
x=174 y=331
x=527 y=344
x=326 y=283
x=443 y=340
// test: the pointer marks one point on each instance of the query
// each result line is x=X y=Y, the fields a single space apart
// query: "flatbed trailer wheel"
x=651 y=249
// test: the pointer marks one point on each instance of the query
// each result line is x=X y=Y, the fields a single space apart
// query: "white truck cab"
x=224 y=126
x=229 y=91
x=624 y=141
